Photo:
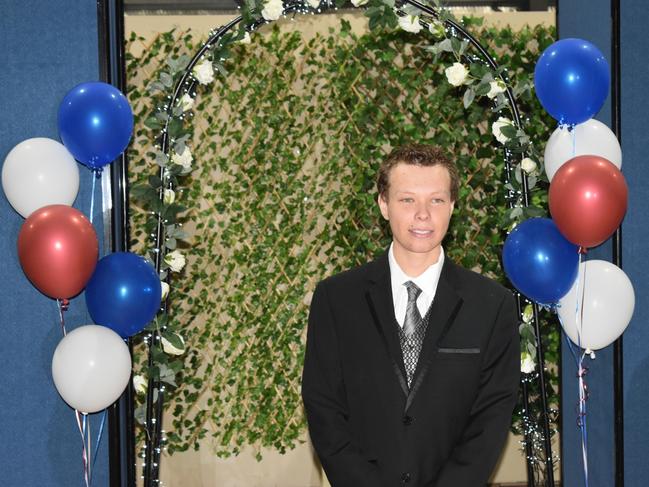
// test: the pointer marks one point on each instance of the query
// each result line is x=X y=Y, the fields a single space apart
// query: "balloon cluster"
x=587 y=198
x=58 y=246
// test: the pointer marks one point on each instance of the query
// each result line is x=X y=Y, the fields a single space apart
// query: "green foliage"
x=283 y=195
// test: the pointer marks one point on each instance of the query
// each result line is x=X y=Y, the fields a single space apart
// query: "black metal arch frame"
x=122 y=451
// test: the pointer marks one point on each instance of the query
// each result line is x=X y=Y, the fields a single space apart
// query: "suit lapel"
x=379 y=300
x=444 y=309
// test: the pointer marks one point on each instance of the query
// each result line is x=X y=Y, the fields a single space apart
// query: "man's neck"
x=415 y=264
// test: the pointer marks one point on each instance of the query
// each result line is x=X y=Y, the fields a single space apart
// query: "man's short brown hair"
x=417 y=155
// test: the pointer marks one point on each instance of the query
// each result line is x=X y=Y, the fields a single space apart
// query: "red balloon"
x=588 y=199
x=58 y=249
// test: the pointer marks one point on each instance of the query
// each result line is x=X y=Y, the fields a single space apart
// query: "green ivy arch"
x=358 y=229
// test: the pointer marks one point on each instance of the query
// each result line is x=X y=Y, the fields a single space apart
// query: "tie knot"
x=413 y=291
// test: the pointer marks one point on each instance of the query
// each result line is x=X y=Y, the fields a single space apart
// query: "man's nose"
x=422 y=212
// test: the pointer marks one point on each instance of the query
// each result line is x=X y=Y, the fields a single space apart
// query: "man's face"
x=418 y=207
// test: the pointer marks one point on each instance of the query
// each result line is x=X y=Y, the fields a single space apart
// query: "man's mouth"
x=421 y=233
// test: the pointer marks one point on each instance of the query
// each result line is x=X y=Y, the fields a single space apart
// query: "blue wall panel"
x=590 y=20
x=635 y=106
x=47 y=48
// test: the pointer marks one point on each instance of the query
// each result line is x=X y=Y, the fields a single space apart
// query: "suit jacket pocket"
x=458 y=351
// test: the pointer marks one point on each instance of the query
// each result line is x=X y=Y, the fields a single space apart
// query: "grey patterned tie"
x=411 y=335
x=413 y=317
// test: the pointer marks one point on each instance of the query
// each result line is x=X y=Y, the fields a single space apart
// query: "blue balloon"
x=95 y=123
x=571 y=79
x=539 y=261
x=123 y=293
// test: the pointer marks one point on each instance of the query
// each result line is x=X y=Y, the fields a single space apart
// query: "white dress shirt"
x=427 y=282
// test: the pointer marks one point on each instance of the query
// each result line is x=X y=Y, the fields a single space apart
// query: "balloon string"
x=583 y=397
x=82 y=429
x=63 y=305
x=574 y=142
x=581 y=370
x=99 y=435
x=96 y=173
x=579 y=299
x=89 y=449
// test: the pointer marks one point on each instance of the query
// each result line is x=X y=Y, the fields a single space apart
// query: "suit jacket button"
x=405 y=478
x=407 y=420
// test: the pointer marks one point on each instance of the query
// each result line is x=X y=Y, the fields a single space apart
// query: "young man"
x=412 y=362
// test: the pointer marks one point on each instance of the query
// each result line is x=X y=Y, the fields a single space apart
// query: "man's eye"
x=439 y=201
x=406 y=200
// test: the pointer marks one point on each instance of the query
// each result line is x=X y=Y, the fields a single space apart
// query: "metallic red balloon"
x=588 y=200
x=58 y=249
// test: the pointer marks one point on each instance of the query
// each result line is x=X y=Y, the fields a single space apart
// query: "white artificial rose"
x=495 y=88
x=139 y=384
x=175 y=260
x=359 y=3
x=170 y=349
x=186 y=102
x=437 y=29
x=313 y=3
x=165 y=290
x=456 y=74
x=528 y=165
x=496 y=129
x=527 y=363
x=183 y=159
x=203 y=72
x=169 y=196
x=245 y=39
x=273 y=9
x=410 y=23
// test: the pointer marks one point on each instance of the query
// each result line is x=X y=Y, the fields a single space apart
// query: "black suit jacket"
x=368 y=428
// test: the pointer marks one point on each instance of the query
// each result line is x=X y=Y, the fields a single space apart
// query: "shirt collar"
x=426 y=281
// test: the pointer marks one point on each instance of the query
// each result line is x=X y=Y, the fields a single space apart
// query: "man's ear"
x=383 y=205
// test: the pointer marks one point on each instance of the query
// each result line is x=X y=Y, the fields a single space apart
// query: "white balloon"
x=590 y=138
x=39 y=172
x=608 y=305
x=91 y=368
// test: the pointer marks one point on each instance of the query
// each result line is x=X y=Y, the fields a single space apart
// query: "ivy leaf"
x=161 y=159
x=166 y=79
x=140 y=191
x=167 y=375
x=469 y=96
x=156 y=86
x=509 y=131
x=154 y=181
x=175 y=128
x=170 y=213
x=515 y=213
x=482 y=89
x=153 y=123
x=139 y=414
x=221 y=69
x=445 y=46
x=175 y=340
x=534 y=211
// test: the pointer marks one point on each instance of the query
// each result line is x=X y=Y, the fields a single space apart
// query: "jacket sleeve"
x=477 y=452
x=325 y=402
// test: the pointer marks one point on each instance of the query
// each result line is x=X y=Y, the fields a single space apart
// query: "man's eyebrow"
x=438 y=191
